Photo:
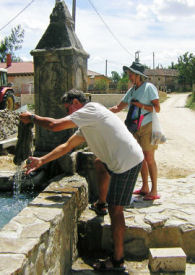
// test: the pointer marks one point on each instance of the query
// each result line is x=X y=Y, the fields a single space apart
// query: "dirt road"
x=176 y=158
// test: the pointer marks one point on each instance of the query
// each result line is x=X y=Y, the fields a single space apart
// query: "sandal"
x=99 y=208
x=139 y=192
x=110 y=265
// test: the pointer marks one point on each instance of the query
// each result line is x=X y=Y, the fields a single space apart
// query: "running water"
x=17 y=181
x=20 y=179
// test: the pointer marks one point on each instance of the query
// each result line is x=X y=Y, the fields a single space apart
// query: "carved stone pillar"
x=60 y=63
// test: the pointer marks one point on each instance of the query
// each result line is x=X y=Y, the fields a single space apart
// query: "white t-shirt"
x=107 y=137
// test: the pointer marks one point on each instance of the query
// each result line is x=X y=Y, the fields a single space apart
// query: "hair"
x=71 y=94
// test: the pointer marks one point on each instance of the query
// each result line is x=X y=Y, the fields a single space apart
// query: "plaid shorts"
x=122 y=185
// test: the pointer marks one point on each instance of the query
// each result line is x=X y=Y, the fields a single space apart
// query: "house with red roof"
x=21 y=75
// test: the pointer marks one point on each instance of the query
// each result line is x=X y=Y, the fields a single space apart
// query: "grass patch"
x=191 y=101
x=162 y=96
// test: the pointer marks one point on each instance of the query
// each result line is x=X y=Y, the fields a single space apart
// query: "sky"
x=114 y=30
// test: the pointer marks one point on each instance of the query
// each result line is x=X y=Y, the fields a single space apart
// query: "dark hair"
x=71 y=94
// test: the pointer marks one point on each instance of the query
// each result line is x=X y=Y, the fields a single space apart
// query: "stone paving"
x=167 y=222
x=83 y=267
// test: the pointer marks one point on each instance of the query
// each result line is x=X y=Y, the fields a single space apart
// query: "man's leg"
x=118 y=230
x=103 y=179
x=116 y=262
x=152 y=168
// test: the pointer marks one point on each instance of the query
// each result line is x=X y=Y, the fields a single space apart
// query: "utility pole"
x=74 y=11
x=106 y=70
x=137 y=56
x=153 y=62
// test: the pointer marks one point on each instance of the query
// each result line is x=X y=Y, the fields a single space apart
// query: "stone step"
x=167 y=259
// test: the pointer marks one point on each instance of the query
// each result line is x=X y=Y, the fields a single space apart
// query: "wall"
x=19 y=81
x=107 y=100
x=42 y=238
x=27 y=99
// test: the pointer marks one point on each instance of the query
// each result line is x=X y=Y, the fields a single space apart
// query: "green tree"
x=12 y=43
x=186 y=69
x=100 y=85
x=115 y=77
x=123 y=83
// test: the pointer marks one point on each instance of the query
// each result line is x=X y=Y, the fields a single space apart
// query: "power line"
x=17 y=15
x=108 y=28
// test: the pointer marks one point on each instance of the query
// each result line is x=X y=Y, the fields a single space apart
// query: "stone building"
x=163 y=79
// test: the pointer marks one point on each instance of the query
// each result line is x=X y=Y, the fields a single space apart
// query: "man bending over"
x=118 y=162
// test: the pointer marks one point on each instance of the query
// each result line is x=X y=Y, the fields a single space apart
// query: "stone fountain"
x=60 y=64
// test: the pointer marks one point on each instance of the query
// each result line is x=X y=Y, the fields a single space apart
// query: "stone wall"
x=42 y=238
x=27 y=99
x=9 y=121
x=19 y=82
x=107 y=100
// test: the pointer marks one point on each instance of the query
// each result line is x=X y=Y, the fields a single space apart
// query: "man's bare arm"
x=48 y=123
x=34 y=162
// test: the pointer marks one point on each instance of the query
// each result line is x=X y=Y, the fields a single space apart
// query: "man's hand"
x=32 y=164
x=26 y=117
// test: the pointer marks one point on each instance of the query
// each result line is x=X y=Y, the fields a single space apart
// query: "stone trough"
x=42 y=238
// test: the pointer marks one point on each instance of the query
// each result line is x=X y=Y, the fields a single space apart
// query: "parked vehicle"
x=7 y=100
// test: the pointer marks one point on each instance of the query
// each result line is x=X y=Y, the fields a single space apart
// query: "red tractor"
x=6 y=92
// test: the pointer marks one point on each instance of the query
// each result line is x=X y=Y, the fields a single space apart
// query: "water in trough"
x=12 y=202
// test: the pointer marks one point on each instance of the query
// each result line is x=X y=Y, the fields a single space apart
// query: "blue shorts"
x=122 y=185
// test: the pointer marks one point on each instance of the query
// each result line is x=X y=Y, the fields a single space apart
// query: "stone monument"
x=60 y=63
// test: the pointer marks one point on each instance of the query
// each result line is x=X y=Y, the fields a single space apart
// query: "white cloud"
x=172 y=10
x=164 y=27
x=143 y=11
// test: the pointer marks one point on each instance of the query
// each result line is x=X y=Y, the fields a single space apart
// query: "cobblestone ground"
x=83 y=267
